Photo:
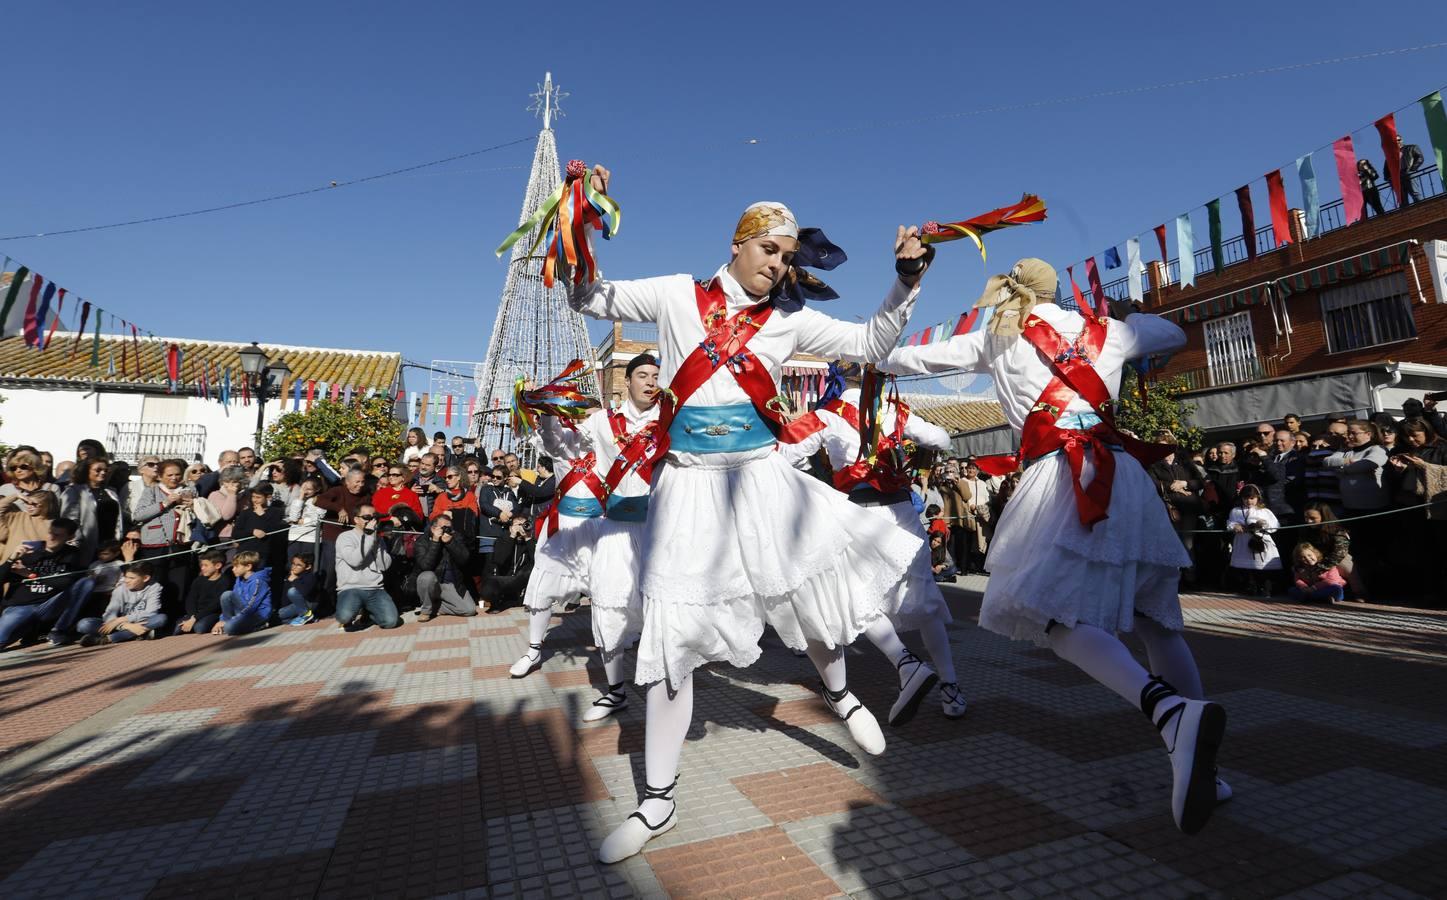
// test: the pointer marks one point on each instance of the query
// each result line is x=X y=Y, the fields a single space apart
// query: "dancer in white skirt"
x=1085 y=549
x=882 y=486
x=736 y=538
x=599 y=555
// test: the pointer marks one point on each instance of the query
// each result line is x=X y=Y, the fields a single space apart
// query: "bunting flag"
x=84 y=317
x=41 y=310
x=1112 y=258
x=246 y=393
x=16 y=281
x=1248 y=219
x=1097 y=290
x=125 y=365
x=449 y=411
x=95 y=343
x=1276 y=193
x=54 y=320
x=1391 y=153
x=1160 y=231
x=226 y=387
x=311 y=391
x=1346 y=174
x=173 y=367
x=111 y=366
x=412 y=407
x=296 y=395
x=1134 y=268
x=336 y=392
x=1310 y=199
x=471 y=404
x=1080 y=303
x=426 y=408
x=1213 y=219
x=31 y=328
x=1186 y=249
x=1436 y=127
x=206 y=379
x=1030 y=209
x=136 y=345
x=347 y=395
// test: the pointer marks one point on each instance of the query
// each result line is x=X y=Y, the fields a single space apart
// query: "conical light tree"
x=536 y=333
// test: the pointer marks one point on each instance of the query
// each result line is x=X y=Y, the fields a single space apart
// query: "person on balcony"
x=1367 y=175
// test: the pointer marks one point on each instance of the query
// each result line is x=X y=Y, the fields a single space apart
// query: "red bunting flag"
x=1160 y=231
x=1391 y=153
x=1346 y=174
x=1248 y=219
x=1080 y=303
x=311 y=389
x=1097 y=290
x=173 y=367
x=31 y=325
x=966 y=322
x=1276 y=191
x=448 y=418
x=54 y=322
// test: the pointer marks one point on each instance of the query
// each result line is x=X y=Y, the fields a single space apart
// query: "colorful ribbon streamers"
x=1030 y=209
x=562 y=223
x=560 y=397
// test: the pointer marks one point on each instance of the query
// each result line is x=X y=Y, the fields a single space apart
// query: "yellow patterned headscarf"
x=766 y=218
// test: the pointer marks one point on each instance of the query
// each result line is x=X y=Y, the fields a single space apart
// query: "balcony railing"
x=1238 y=372
x=1427 y=182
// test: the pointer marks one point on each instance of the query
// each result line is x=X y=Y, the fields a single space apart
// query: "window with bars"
x=1368 y=313
x=1231 y=350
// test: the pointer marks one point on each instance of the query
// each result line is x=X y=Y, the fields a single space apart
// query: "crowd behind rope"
x=1356 y=510
x=95 y=550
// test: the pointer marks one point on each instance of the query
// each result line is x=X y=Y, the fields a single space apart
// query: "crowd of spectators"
x=99 y=551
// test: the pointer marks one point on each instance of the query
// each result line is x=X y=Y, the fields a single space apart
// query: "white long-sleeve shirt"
x=1019 y=372
x=840 y=440
x=594 y=435
x=671 y=302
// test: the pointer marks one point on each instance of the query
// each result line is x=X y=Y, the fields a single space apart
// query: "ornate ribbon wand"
x=567 y=215
x=560 y=397
x=1030 y=209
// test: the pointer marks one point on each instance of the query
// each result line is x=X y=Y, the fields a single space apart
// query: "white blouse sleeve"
x=555 y=439
x=869 y=341
x=962 y=353
x=1142 y=335
x=623 y=301
x=926 y=434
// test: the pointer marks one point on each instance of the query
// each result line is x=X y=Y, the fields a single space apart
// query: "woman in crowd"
x=416 y=444
x=227 y=500
x=461 y=503
x=1324 y=532
x=164 y=516
x=265 y=521
x=286 y=477
x=94 y=507
x=1254 y=558
x=1421 y=469
x=193 y=474
x=26 y=474
x=148 y=470
x=25 y=518
x=1363 y=492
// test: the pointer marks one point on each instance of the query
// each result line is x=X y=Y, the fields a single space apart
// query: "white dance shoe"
x=528 y=662
x=1192 y=730
x=606 y=705
x=952 y=700
x=1223 y=791
x=916 y=677
x=863 y=727
x=637 y=830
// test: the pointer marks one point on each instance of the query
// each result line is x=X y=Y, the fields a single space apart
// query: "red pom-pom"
x=930 y=228
x=577 y=168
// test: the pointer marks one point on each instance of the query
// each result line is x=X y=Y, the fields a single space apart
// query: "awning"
x=1232 y=407
x=1343 y=270
x=1219 y=306
x=985 y=442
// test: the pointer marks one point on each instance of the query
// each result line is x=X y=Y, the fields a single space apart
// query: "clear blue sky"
x=116 y=111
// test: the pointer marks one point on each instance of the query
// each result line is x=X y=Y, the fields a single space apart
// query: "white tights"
x=538 y=620
x=936 y=639
x=1102 y=656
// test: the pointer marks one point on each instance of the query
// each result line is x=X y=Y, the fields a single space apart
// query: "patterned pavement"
x=312 y=763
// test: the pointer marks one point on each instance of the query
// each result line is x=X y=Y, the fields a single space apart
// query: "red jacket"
x=387 y=497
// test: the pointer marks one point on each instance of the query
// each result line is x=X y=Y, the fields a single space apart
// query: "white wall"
x=57 y=419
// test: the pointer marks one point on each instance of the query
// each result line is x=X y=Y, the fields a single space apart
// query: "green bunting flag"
x=95 y=345
x=1436 y=127
x=1213 y=212
x=15 y=281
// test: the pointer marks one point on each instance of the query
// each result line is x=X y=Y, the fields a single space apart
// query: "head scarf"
x=815 y=250
x=1013 y=295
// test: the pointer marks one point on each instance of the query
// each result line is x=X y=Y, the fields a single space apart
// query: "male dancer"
x=1084 y=549
x=736 y=538
x=881 y=484
x=599 y=556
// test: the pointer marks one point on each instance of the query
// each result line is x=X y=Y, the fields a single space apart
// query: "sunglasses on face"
x=394 y=474
x=22 y=467
x=366 y=518
x=452 y=475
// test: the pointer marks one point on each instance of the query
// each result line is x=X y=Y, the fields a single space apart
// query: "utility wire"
x=288 y=196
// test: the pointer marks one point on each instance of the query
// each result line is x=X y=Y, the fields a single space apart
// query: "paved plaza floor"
x=304 y=762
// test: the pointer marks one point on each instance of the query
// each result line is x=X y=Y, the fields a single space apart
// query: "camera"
x=1435 y=396
x=446 y=529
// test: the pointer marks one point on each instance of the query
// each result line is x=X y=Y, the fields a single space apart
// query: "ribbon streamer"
x=1030 y=209
x=562 y=223
x=560 y=397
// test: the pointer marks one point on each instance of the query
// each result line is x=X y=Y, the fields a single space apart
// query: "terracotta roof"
x=359 y=368
x=971 y=415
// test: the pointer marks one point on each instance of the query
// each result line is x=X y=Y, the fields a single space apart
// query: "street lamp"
x=265 y=378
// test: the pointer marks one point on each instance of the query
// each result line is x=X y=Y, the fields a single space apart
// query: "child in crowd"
x=301 y=592
x=105 y=573
x=203 y=598
x=303 y=514
x=936 y=525
x=247 y=606
x=1315 y=579
x=134 y=610
x=1254 y=557
x=940 y=562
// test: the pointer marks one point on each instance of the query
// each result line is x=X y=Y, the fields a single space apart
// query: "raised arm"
x=962 y=353
x=858 y=342
x=926 y=434
x=1141 y=335
x=623 y=301
x=557 y=440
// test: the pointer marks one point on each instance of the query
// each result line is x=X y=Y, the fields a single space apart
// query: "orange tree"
x=1160 y=409
x=336 y=428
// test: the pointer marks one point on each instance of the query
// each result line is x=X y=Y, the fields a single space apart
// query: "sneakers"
x=608 y=704
x=637 y=830
x=59 y=638
x=1192 y=730
x=952 y=700
x=423 y=615
x=529 y=661
x=305 y=618
x=94 y=640
x=916 y=677
x=863 y=727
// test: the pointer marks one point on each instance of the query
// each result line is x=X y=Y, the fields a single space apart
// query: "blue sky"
x=124 y=111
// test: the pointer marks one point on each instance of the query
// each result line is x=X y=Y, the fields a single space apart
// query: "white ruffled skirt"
x=553 y=580
x=599 y=558
x=727 y=550
x=916 y=599
x=1044 y=565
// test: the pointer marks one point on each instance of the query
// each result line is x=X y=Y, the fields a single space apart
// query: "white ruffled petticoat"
x=729 y=549
x=553 y=580
x=600 y=557
x=1044 y=565
x=916 y=599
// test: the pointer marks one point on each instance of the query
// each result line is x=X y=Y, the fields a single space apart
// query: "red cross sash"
x=579 y=471
x=880 y=468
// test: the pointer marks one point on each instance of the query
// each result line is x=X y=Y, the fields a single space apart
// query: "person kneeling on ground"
x=509 y=568
x=940 y=562
x=134 y=610
x=45 y=587
x=362 y=562
x=440 y=558
x=247 y=606
x=203 y=597
x=1316 y=580
x=301 y=592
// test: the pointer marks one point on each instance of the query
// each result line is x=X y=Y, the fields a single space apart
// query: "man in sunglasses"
x=362 y=563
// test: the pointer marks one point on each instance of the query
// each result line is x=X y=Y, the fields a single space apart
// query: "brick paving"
x=308 y=762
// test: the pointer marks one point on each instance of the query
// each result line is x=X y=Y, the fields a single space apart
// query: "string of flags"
x=436 y=409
